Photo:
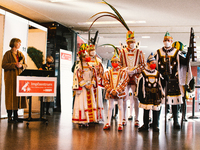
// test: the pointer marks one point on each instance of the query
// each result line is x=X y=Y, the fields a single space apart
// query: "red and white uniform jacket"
x=96 y=63
x=134 y=61
x=116 y=79
x=84 y=76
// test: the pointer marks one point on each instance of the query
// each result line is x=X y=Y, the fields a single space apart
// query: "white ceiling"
x=175 y=16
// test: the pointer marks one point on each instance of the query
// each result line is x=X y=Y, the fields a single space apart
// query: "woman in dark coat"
x=13 y=64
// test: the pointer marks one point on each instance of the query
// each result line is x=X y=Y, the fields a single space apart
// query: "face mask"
x=87 y=59
x=153 y=66
x=49 y=63
x=132 y=45
x=92 y=53
x=115 y=65
x=167 y=44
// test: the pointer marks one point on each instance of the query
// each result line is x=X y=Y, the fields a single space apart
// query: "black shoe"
x=10 y=120
x=177 y=126
x=156 y=129
x=18 y=121
x=185 y=120
x=143 y=128
x=130 y=118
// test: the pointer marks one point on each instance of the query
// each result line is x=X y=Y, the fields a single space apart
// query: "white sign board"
x=36 y=86
x=66 y=80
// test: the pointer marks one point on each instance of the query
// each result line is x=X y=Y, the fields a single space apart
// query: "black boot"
x=16 y=116
x=145 y=126
x=158 y=118
x=10 y=120
x=175 y=116
x=182 y=107
x=155 y=120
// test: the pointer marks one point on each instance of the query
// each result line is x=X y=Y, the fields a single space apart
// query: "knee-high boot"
x=10 y=116
x=158 y=116
x=146 y=118
x=175 y=116
x=155 y=120
x=15 y=115
x=145 y=126
x=182 y=107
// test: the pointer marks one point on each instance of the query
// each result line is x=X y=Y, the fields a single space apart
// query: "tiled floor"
x=61 y=134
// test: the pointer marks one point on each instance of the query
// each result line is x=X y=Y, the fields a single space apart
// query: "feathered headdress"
x=82 y=50
x=116 y=53
x=90 y=47
x=178 y=45
x=117 y=16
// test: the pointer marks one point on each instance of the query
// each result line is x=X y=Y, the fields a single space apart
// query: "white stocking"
x=120 y=106
x=110 y=108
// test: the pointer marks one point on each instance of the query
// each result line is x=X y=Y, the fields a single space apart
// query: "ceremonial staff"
x=191 y=51
x=167 y=69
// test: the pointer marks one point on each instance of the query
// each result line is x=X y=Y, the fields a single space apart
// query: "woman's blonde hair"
x=49 y=57
x=13 y=41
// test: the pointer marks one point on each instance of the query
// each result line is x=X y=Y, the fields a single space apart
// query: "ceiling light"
x=110 y=22
x=145 y=37
x=143 y=46
x=59 y=0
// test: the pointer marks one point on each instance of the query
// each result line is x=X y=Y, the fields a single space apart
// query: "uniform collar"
x=116 y=69
x=168 y=50
x=130 y=50
x=150 y=71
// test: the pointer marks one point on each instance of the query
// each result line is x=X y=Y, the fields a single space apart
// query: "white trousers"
x=133 y=102
x=110 y=108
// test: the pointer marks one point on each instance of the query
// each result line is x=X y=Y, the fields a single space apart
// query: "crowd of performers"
x=146 y=79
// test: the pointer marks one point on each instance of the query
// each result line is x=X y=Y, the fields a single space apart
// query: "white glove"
x=131 y=72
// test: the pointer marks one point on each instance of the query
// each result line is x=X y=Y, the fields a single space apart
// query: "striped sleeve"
x=123 y=82
x=106 y=80
x=141 y=63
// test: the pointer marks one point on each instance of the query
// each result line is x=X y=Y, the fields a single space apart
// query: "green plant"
x=36 y=55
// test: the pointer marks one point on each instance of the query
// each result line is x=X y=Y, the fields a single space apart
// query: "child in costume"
x=84 y=82
x=150 y=92
x=96 y=63
x=115 y=82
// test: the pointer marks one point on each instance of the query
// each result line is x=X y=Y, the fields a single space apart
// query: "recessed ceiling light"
x=60 y=0
x=146 y=37
x=143 y=46
x=110 y=22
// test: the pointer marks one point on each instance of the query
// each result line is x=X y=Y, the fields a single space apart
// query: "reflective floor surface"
x=61 y=134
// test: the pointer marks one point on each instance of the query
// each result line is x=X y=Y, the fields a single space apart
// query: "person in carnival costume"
x=133 y=59
x=174 y=74
x=96 y=63
x=115 y=82
x=84 y=82
x=179 y=45
x=150 y=92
